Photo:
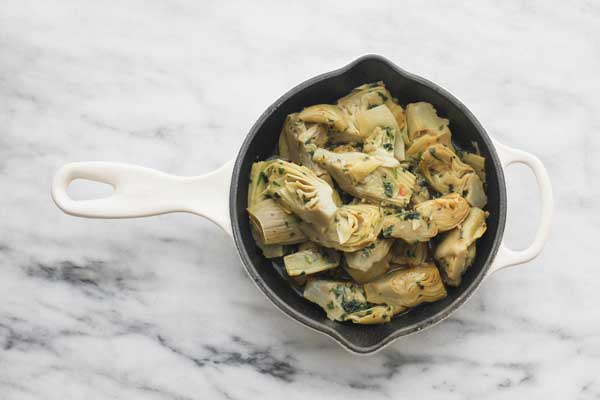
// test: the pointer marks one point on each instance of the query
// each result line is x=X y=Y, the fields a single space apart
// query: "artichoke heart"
x=409 y=254
x=405 y=288
x=364 y=97
x=258 y=182
x=310 y=259
x=349 y=167
x=375 y=271
x=343 y=125
x=372 y=178
x=354 y=227
x=364 y=258
x=299 y=190
x=273 y=225
x=370 y=262
x=422 y=118
x=446 y=173
x=409 y=226
x=380 y=128
x=302 y=140
x=345 y=301
x=429 y=138
x=476 y=162
x=456 y=250
x=446 y=212
x=402 y=137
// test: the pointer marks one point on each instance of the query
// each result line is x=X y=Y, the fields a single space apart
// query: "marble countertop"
x=160 y=308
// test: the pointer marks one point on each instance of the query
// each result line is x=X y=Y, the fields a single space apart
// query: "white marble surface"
x=160 y=308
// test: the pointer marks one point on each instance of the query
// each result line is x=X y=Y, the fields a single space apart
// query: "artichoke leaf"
x=409 y=226
x=299 y=190
x=421 y=143
x=446 y=212
x=354 y=227
x=268 y=250
x=406 y=288
x=456 y=251
x=310 y=259
x=346 y=148
x=350 y=168
x=476 y=162
x=282 y=147
x=401 y=138
x=258 y=182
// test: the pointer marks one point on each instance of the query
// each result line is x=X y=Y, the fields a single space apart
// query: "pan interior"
x=261 y=143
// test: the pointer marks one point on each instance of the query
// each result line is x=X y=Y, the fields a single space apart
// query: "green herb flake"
x=308 y=259
x=330 y=305
x=411 y=215
x=384 y=98
x=434 y=154
x=388 y=189
x=387 y=231
x=388 y=146
x=263 y=176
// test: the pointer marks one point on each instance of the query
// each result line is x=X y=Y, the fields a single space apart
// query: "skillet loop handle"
x=143 y=192
x=507 y=257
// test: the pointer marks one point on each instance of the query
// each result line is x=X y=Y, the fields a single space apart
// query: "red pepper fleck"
x=402 y=191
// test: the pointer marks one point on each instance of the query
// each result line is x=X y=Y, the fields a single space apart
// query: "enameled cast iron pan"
x=221 y=196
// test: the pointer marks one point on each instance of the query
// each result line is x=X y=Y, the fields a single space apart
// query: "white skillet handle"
x=142 y=192
x=507 y=257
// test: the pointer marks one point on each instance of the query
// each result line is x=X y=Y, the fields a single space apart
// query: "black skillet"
x=222 y=195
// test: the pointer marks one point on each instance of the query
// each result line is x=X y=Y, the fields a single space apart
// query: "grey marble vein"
x=160 y=308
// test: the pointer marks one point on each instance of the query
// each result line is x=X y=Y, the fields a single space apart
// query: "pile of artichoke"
x=354 y=198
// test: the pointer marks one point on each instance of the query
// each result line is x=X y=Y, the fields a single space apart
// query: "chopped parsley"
x=387 y=231
x=388 y=146
x=330 y=305
x=263 y=176
x=434 y=154
x=352 y=306
x=411 y=215
x=383 y=96
x=388 y=189
x=389 y=132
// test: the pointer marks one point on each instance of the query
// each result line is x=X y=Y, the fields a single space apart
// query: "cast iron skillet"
x=142 y=192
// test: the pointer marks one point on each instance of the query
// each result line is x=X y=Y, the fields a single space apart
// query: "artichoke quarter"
x=373 y=178
x=353 y=227
x=408 y=287
x=446 y=212
x=422 y=118
x=299 y=190
x=345 y=301
x=456 y=251
x=446 y=173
